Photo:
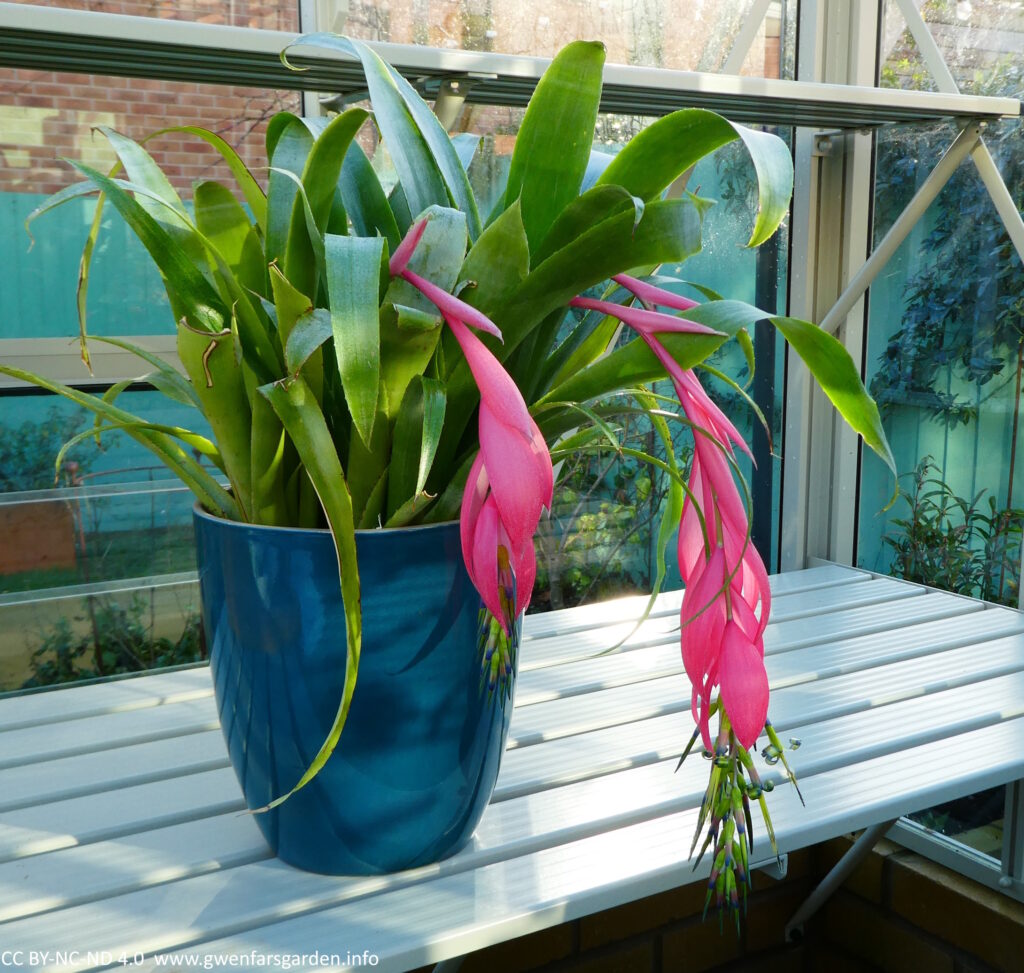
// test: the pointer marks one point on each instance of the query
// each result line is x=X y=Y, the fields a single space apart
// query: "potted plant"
x=397 y=367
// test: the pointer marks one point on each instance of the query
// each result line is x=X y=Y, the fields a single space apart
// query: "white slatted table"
x=120 y=830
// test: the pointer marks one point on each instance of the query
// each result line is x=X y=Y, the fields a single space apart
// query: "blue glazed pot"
x=420 y=753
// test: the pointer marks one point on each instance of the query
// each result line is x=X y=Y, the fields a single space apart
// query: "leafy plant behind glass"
x=27 y=451
x=119 y=640
x=950 y=542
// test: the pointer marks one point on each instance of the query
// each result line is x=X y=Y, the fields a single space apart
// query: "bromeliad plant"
x=373 y=357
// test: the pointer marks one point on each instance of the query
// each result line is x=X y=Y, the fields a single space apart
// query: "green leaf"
x=413 y=319
x=143 y=170
x=593 y=207
x=410 y=510
x=225 y=224
x=583 y=346
x=417 y=433
x=193 y=440
x=427 y=163
x=323 y=164
x=271 y=503
x=663 y=151
x=187 y=394
x=290 y=303
x=669 y=232
x=747 y=345
x=251 y=190
x=297 y=408
x=289 y=143
x=498 y=262
x=553 y=145
x=191 y=290
x=633 y=364
x=218 y=381
x=365 y=200
x=405 y=351
x=406 y=142
x=320 y=176
x=176 y=388
x=466 y=144
x=207 y=490
x=353 y=281
x=311 y=330
x=438 y=257
x=833 y=369
x=307 y=265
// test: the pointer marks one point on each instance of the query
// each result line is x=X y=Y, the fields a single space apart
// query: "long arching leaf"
x=251 y=190
x=552 y=148
x=353 y=284
x=365 y=200
x=209 y=492
x=409 y=148
x=194 y=292
x=664 y=150
x=297 y=408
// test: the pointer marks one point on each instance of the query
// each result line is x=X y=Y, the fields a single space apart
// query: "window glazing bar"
x=44 y=38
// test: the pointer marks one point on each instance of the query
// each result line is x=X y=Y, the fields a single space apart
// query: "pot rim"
x=199 y=511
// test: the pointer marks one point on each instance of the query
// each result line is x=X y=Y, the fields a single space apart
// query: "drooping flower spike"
x=726 y=602
x=511 y=481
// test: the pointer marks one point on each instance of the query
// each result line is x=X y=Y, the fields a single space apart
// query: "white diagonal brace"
x=962 y=146
x=987 y=169
x=860 y=849
x=745 y=38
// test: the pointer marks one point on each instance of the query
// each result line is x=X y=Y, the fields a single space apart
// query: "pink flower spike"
x=654 y=296
x=402 y=255
x=643 y=321
x=450 y=306
x=744 y=685
x=488 y=541
x=496 y=386
x=477 y=489
x=702 y=617
x=519 y=474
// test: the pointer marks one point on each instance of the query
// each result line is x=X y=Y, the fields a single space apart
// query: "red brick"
x=873 y=934
x=982 y=922
x=640 y=916
x=633 y=959
x=524 y=953
x=698 y=946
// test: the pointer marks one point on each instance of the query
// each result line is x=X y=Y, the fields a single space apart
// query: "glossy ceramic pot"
x=420 y=753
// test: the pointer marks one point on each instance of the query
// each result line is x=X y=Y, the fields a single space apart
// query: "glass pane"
x=650 y=33
x=96 y=570
x=276 y=15
x=945 y=353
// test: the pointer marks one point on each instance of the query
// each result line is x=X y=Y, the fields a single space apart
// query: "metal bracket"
x=831 y=882
x=825 y=143
x=773 y=867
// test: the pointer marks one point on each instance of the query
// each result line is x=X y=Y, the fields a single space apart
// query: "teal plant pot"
x=419 y=756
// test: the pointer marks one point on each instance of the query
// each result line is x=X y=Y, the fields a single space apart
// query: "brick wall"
x=274 y=15
x=900 y=913
x=897 y=913
x=45 y=116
